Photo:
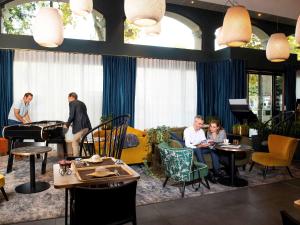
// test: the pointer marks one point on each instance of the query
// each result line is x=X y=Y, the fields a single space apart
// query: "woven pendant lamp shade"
x=220 y=39
x=144 y=12
x=153 y=30
x=236 y=28
x=297 y=32
x=81 y=7
x=278 y=49
x=48 y=28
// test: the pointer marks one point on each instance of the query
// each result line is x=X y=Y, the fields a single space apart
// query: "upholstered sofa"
x=139 y=153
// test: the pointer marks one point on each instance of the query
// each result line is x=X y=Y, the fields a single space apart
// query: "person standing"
x=19 y=111
x=79 y=119
x=194 y=138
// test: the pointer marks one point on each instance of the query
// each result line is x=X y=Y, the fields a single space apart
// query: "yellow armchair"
x=2 y=183
x=139 y=153
x=281 y=152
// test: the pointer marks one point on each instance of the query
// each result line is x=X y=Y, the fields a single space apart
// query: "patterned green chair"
x=179 y=166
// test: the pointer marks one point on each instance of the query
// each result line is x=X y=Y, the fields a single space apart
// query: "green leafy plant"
x=263 y=129
x=105 y=118
x=158 y=135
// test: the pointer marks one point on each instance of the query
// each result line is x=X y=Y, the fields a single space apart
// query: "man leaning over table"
x=194 y=138
x=19 y=111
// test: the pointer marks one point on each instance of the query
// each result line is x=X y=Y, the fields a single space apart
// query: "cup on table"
x=235 y=141
x=226 y=141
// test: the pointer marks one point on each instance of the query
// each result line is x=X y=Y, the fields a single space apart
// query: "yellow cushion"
x=2 y=180
x=268 y=159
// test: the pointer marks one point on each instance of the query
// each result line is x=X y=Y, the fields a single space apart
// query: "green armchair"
x=179 y=165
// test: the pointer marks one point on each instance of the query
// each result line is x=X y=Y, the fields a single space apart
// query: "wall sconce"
x=81 y=7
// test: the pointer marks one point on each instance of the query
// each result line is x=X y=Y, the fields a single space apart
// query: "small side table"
x=32 y=151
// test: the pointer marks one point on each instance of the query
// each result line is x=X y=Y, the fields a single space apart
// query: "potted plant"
x=259 y=141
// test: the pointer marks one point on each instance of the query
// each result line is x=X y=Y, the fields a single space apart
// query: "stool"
x=32 y=151
x=2 y=183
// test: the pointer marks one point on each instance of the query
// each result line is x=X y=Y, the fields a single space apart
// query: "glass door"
x=265 y=95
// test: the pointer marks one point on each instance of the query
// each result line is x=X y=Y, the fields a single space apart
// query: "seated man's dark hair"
x=28 y=94
x=74 y=95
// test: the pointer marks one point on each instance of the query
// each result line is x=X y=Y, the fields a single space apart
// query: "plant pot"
x=257 y=144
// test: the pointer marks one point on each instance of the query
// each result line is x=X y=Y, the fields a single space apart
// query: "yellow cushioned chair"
x=139 y=153
x=281 y=152
x=2 y=183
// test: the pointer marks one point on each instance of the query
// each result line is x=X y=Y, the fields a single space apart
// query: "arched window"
x=17 y=18
x=174 y=31
x=258 y=40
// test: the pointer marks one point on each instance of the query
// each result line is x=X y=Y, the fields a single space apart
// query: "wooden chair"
x=109 y=205
x=281 y=152
x=2 y=183
x=107 y=139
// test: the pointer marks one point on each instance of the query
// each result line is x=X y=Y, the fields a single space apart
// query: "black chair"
x=287 y=219
x=107 y=139
x=109 y=205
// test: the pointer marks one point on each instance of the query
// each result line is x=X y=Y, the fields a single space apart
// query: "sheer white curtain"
x=51 y=76
x=166 y=93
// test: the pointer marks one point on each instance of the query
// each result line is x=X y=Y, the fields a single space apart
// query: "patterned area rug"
x=50 y=203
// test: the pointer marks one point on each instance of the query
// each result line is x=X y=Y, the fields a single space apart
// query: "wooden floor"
x=256 y=206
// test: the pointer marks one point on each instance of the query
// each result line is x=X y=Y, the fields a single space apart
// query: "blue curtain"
x=6 y=85
x=119 y=76
x=290 y=87
x=217 y=82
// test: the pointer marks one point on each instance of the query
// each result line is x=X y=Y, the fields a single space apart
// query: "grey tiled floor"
x=256 y=205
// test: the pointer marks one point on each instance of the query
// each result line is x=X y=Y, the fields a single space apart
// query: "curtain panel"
x=166 y=93
x=51 y=76
x=119 y=86
x=6 y=85
x=217 y=82
x=290 y=87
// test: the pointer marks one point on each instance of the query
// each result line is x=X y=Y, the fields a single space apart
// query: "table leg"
x=44 y=162
x=66 y=206
x=232 y=168
x=32 y=173
x=10 y=157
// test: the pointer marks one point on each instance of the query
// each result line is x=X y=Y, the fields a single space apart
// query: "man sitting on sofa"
x=194 y=138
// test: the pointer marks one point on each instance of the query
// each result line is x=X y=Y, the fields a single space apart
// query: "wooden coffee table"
x=32 y=151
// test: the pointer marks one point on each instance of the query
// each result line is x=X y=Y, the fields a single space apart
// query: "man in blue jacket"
x=79 y=119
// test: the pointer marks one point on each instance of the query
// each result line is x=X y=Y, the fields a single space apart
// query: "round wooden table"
x=233 y=180
x=32 y=151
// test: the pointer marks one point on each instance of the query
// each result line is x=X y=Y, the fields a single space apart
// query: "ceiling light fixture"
x=220 y=39
x=153 y=30
x=278 y=49
x=236 y=28
x=81 y=7
x=48 y=28
x=144 y=12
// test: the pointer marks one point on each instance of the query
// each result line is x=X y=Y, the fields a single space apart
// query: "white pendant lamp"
x=81 y=7
x=220 y=38
x=278 y=49
x=144 y=12
x=236 y=28
x=153 y=30
x=297 y=32
x=48 y=28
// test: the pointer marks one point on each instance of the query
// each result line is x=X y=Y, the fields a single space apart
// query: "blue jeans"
x=199 y=152
x=13 y=122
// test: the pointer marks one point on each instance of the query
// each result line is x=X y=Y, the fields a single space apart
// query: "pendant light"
x=220 y=38
x=278 y=49
x=236 y=28
x=144 y=12
x=297 y=32
x=81 y=7
x=153 y=30
x=48 y=28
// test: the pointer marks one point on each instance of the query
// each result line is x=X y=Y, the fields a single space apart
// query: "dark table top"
x=30 y=150
x=233 y=148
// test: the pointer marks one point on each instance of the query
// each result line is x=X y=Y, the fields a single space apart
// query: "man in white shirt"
x=194 y=138
x=18 y=113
